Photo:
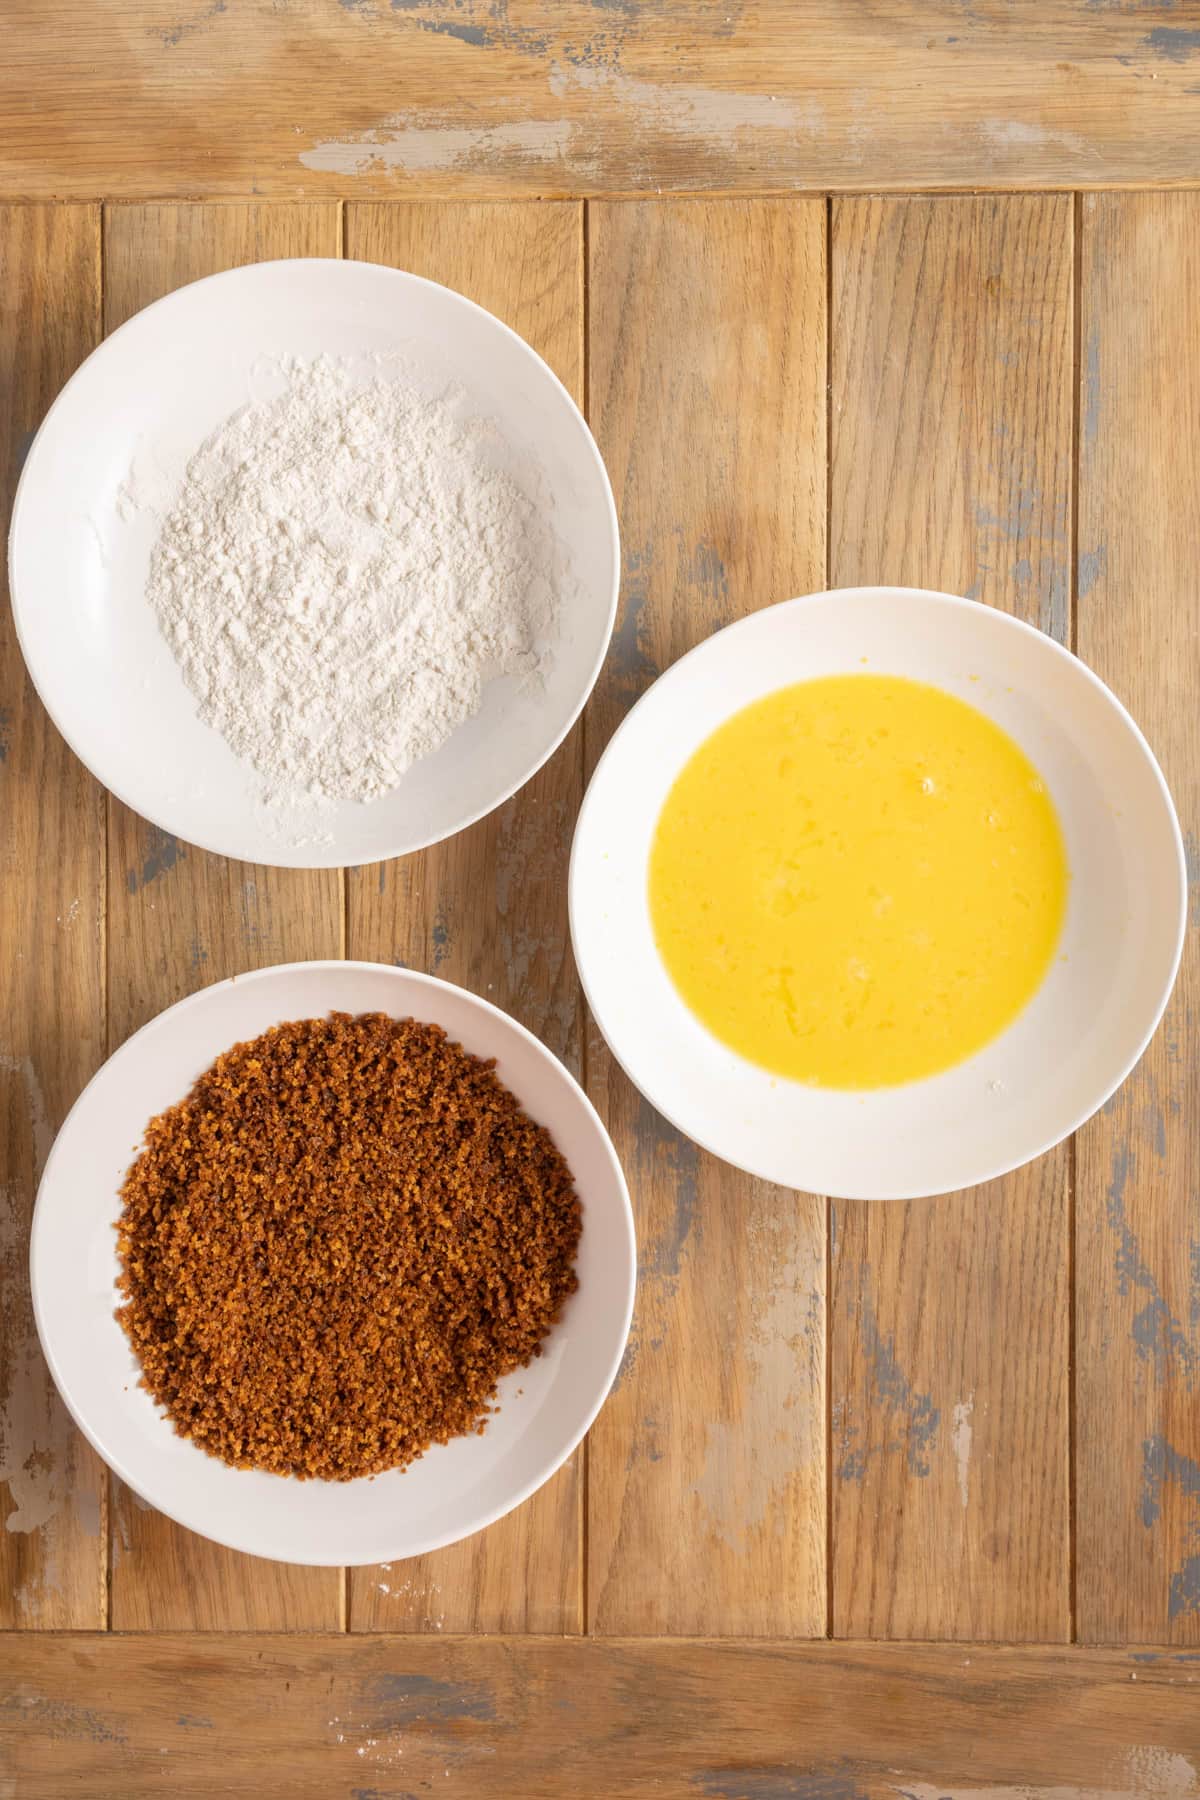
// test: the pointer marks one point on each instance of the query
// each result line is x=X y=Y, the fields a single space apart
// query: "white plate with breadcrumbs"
x=454 y=1489
x=141 y=687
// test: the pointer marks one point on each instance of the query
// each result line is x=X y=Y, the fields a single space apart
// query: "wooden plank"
x=52 y=1489
x=1138 y=1192
x=488 y=909
x=707 y=385
x=179 y=919
x=472 y=1718
x=949 y=1319
x=134 y=98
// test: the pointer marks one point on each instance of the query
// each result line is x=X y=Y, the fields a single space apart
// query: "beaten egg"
x=858 y=881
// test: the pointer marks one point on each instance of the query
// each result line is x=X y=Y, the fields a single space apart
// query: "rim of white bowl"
x=317 y=858
x=1007 y=622
x=436 y=1541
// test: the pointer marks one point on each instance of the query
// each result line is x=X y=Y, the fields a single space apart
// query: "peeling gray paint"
x=439 y=937
x=407 y=1698
x=600 y=52
x=24 y=446
x=58 y=1719
x=633 y=668
x=896 y=1392
x=661 y=1151
x=1174 y=42
x=466 y=34
x=186 y=28
x=1160 y=1338
x=480 y=25
x=1183 y=1596
x=1092 y=565
x=1018 y=521
x=1191 y=851
x=162 y=854
x=628 y=1362
x=1162 y=1463
x=891 y=1391
x=1056 y=605
x=704 y=569
x=781 y=1781
x=662 y=1154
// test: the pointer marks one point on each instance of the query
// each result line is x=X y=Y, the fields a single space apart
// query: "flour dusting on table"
x=344 y=569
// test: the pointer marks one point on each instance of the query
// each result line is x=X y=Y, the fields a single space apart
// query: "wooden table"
x=889 y=1500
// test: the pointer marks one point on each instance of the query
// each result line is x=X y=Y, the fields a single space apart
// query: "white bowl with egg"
x=105 y=472
x=1068 y=1049
x=454 y=1489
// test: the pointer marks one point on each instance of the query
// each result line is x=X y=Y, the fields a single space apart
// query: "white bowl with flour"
x=314 y=563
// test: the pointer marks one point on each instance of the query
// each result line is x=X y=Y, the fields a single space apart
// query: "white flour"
x=343 y=570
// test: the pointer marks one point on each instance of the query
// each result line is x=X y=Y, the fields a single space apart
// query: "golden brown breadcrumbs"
x=334 y=1248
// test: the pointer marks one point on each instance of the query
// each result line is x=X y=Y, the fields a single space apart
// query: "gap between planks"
x=1073 y=1142
x=618 y=197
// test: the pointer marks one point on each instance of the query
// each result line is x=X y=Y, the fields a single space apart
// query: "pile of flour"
x=343 y=570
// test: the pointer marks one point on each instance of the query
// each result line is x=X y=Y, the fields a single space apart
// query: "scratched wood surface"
x=157 y=98
x=1138 y=1196
x=949 y=1319
x=52 y=1563
x=707 y=394
x=473 y=1718
x=179 y=919
x=1012 y=1411
x=488 y=909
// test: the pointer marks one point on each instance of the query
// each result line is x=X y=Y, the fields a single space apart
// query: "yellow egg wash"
x=858 y=881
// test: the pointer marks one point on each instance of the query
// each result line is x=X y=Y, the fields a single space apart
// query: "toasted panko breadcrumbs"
x=338 y=1244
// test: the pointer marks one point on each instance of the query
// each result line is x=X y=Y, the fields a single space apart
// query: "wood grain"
x=488 y=909
x=520 y=98
x=707 y=385
x=180 y=919
x=949 y=1319
x=473 y=1718
x=1138 y=1195
x=52 y=1545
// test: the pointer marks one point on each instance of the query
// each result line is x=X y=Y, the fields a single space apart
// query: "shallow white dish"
x=1076 y=1040
x=456 y=1488
x=144 y=401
